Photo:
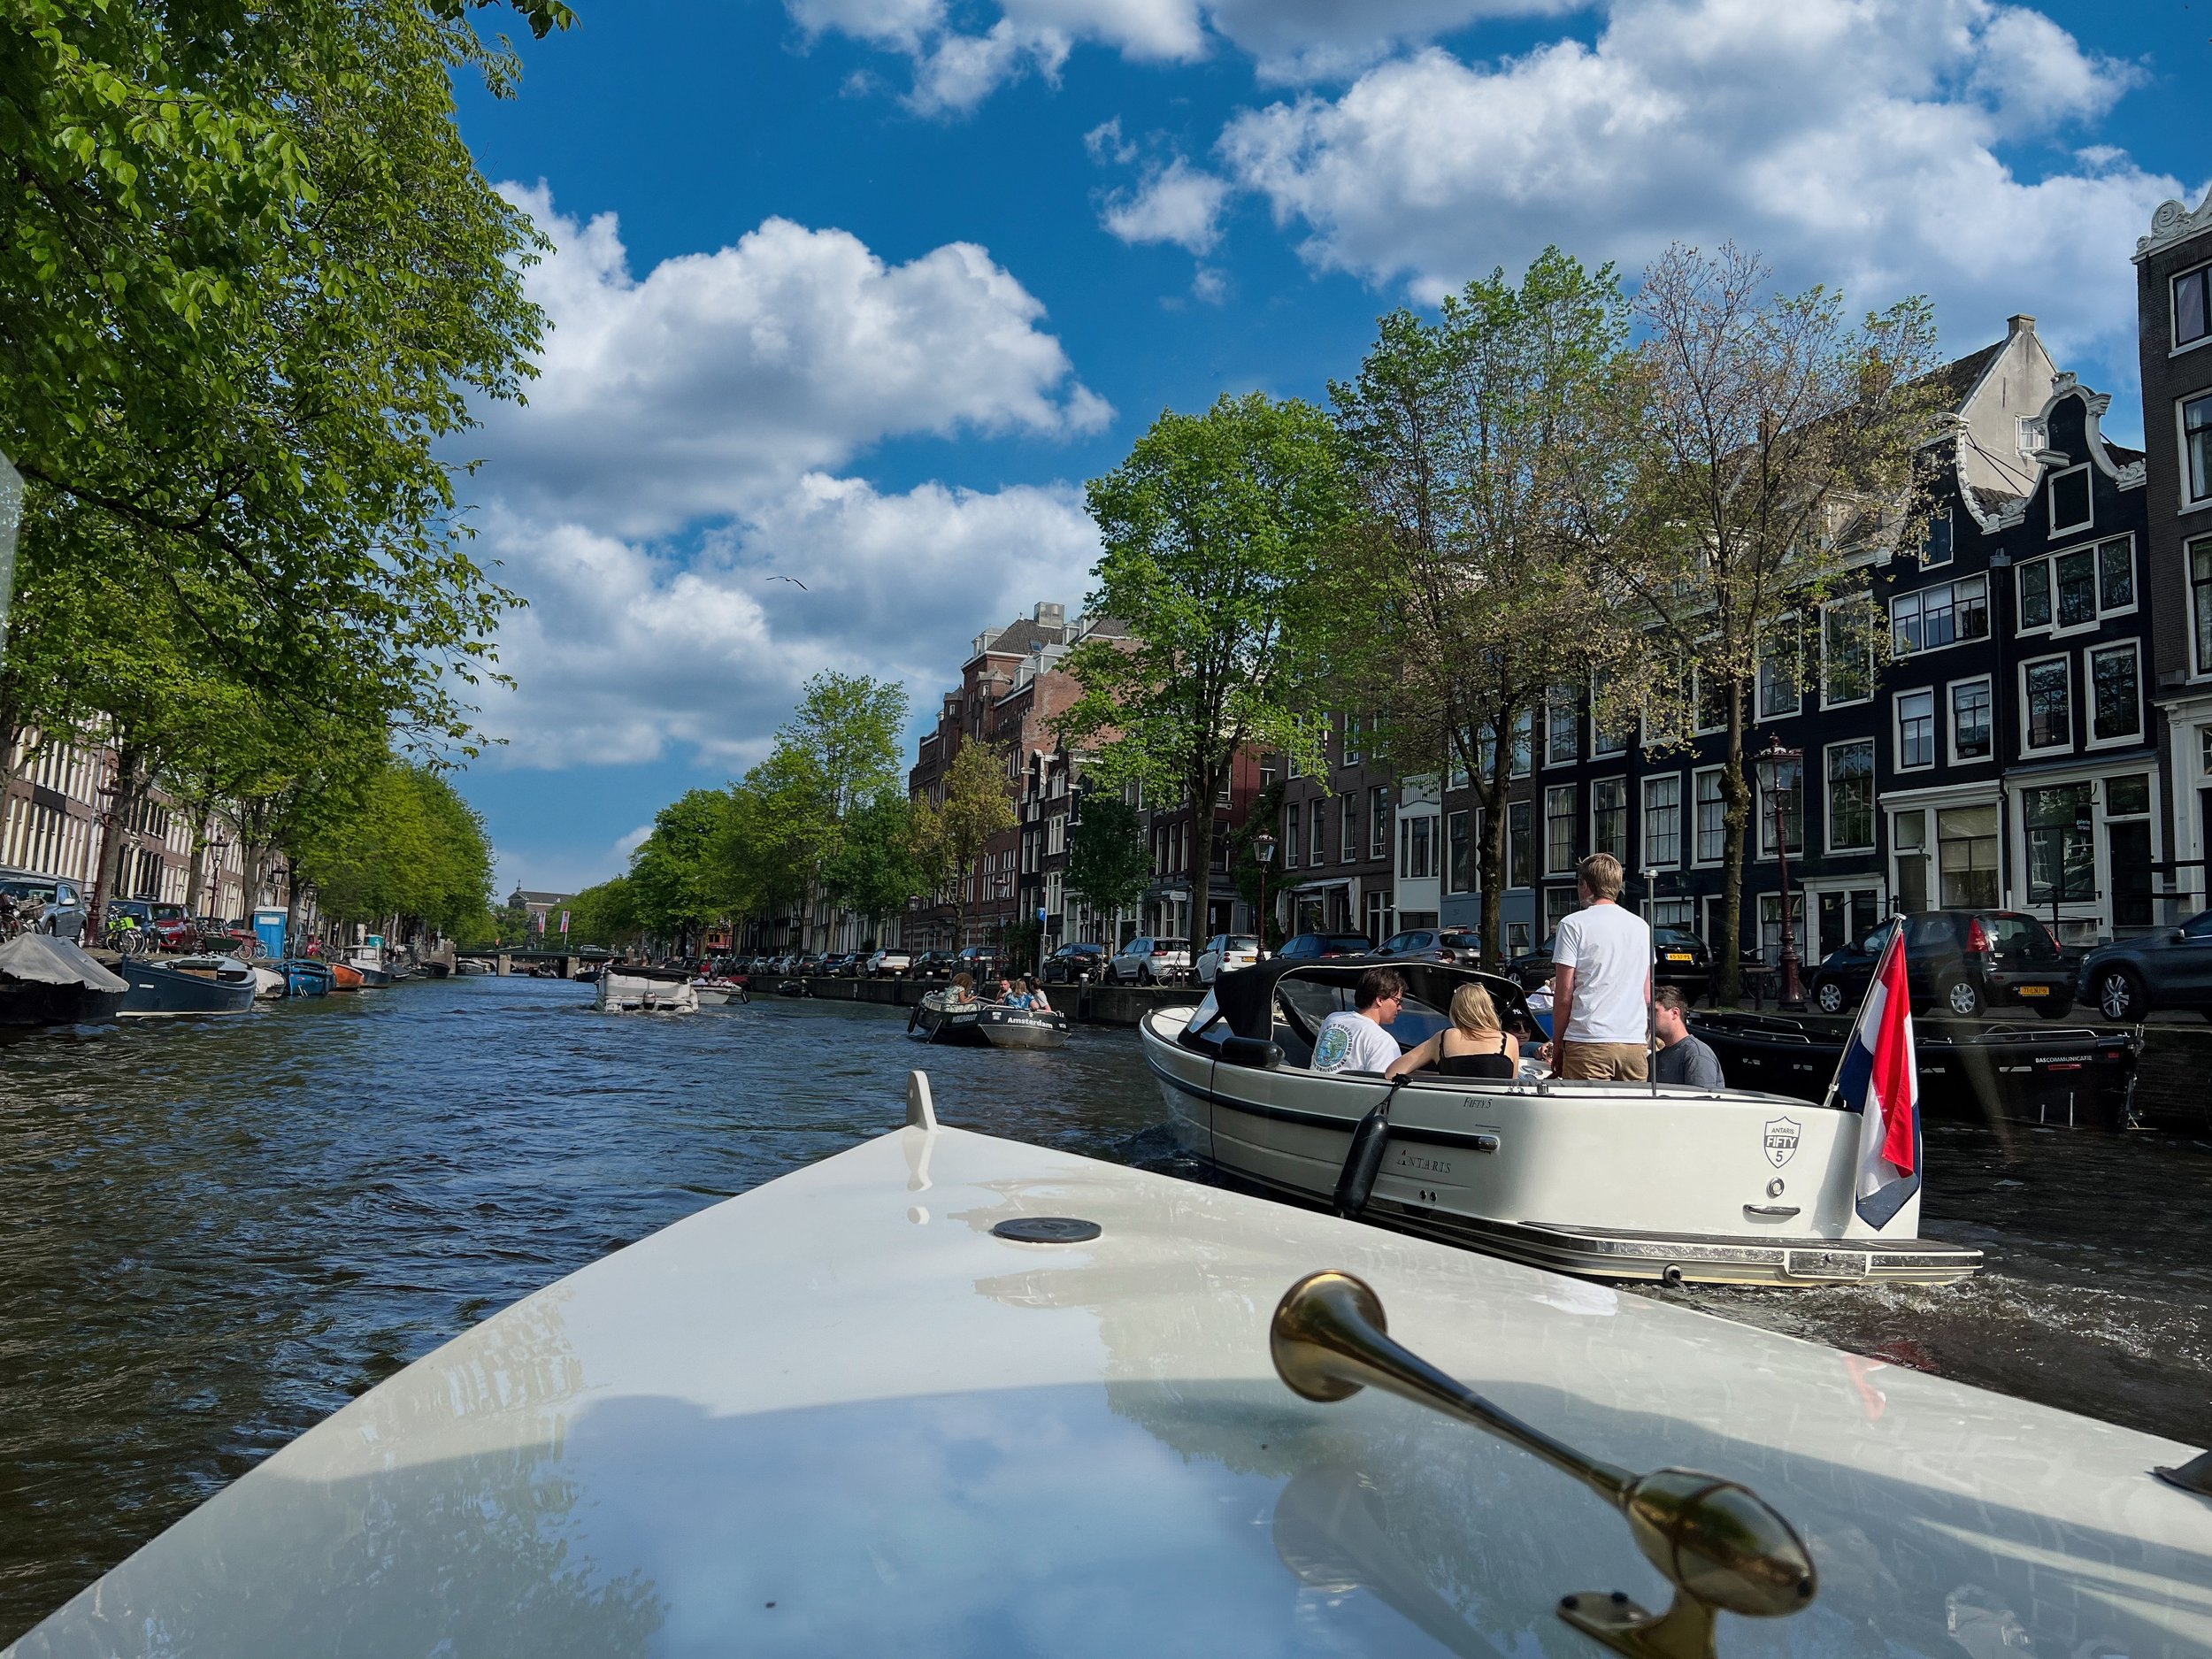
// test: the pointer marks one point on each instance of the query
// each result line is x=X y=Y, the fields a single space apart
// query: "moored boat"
x=628 y=990
x=2052 y=1076
x=48 y=980
x=305 y=976
x=185 y=985
x=985 y=1397
x=345 y=977
x=1614 y=1180
x=268 y=983
x=371 y=963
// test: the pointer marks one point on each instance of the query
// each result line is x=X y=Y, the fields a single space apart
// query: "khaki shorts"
x=1587 y=1062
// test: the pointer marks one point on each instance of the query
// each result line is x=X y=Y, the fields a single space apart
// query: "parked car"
x=890 y=962
x=1957 y=962
x=1075 y=964
x=808 y=964
x=933 y=964
x=980 y=962
x=1679 y=959
x=1145 y=960
x=54 y=907
x=1226 y=950
x=166 y=927
x=1461 y=947
x=840 y=965
x=2170 y=968
x=1316 y=947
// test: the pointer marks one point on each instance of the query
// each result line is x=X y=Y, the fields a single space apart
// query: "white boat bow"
x=842 y=1414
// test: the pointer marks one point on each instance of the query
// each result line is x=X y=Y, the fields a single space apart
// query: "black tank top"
x=1490 y=1065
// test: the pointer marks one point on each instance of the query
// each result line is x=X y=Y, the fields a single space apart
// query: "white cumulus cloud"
x=1852 y=141
x=1176 y=204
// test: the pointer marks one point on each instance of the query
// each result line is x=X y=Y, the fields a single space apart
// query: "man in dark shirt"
x=1682 y=1058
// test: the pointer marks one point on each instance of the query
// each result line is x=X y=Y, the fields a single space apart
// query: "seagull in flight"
x=793 y=581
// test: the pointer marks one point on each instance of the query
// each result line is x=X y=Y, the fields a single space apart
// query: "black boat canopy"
x=1247 y=995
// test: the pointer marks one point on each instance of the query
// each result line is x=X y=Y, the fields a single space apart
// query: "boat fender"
x=1256 y=1052
x=1355 y=1182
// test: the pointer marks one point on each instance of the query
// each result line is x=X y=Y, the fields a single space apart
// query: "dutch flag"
x=1878 y=1079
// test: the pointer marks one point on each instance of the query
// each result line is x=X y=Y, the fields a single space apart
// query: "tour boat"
x=49 y=981
x=639 y=990
x=935 y=1019
x=207 y=984
x=948 y=1394
x=1614 y=1180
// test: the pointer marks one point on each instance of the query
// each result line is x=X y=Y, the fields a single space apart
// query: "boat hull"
x=32 y=1002
x=1605 y=1180
x=303 y=976
x=2053 y=1077
x=933 y=1022
x=160 y=989
x=1023 y=1028
x=620 y=993
x=345 y=977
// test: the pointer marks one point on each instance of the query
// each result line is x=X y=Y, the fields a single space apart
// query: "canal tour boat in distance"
x=1611 y=1180
x=626 y=989
x=944 y=1393
x=936 y=1019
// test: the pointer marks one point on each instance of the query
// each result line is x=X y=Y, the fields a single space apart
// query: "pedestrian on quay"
x=1682 y=1058
x=1602 y=983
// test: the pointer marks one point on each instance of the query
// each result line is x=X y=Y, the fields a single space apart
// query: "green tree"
x=1108 y=864
x=605 y=914
x=413 y=853
x=675 y=890
x=875 y=870
x=1786 y=448
x=1220 y=532
x=949 y=839
x=1494 y=450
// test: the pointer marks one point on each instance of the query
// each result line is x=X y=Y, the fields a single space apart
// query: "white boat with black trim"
x=945 y=1394
x=1612 y=1180
x=638 y=990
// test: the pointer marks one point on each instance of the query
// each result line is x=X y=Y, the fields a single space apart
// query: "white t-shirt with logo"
x=1609 y=949
x=1349 y=1041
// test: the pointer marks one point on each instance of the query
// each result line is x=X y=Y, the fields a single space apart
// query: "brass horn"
x=1718 y=1542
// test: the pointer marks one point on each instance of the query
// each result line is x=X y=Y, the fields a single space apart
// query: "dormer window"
x=2193 y=306
x=2069 y=500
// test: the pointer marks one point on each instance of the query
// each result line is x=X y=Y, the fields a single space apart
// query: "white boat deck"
x=837 y=1415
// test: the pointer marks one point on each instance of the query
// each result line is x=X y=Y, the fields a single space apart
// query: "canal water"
x=213 y=1233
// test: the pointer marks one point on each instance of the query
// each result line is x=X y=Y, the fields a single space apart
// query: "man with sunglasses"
x=1353 y=1040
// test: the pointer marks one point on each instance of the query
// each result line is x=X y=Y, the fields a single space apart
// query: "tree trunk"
x=107 y=875
x=1736 y=801
x=1496 y=792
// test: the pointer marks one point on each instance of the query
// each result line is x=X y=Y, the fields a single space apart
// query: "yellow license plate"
x=2033 y=990
x=1680 y=956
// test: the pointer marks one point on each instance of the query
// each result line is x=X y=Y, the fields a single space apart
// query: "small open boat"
x=948 y=1394
x=345 y=977
x=628 y=990
x=186 y=985
x=936 y=1019
x=269 y=983
x=1615 y=1180
x=48 y=980
x=305 y=976
x=720 y=992
x=370 y=962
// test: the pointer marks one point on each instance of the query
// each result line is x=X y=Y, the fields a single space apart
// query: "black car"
x=980 y=962
x=1460 y=947
x=1679 y=959
x=2170 y=968
x=1317 y=947
x=933 y=964
x=842 y=964
x=1075 y=964
x=1958 y=963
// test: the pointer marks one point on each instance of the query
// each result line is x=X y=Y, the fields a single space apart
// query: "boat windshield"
x=1308 y=1002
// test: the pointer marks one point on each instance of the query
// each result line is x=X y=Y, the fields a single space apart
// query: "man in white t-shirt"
x=1354 y=1039
x=1601 y=982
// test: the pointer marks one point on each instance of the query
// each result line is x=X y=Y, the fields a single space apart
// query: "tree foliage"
x=1108 y=864
x=1222 y=533
x=410 y=848
x=949 y=836
x=674 y=887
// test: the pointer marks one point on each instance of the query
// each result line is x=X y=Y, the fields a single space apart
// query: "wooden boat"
x=345 y=977
x=946 y=1393
x=2064 y=1077
x=205 y=984
x=628 y=990
x=46 y=981
x=935 y=1019
x=1615 y=1180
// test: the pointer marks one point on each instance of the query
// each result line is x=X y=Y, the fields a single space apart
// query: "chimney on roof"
x=2021 y=324
x=1047 y=615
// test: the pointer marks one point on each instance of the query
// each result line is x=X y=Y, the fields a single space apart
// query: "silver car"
x=48 y=904
x=1145 y=960
x=1225 y=951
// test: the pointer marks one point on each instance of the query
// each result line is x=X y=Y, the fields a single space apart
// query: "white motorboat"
x=948 y=1394
x=269 y=986
x=720 y=992
x=1616 y=1181
x=632 y=990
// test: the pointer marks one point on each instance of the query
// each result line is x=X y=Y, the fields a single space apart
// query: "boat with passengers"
x=1608 y=1180
x=950 y=1395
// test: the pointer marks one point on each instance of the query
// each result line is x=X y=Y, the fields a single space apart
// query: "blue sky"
x=859 y=292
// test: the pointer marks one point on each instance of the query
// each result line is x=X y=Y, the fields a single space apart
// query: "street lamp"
x=1773 y=763
x=1264 y=855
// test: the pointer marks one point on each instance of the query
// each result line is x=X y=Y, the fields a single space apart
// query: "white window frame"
x=1644 y=821
x=1865 y=603
x=1595 y=783
x=2089 y=686
x=2065 y=660
x=2189 y=504
x=1897 y=729
x=1349 y=829
x=2199 y=666
x=2050 y=500
x=1794 y=628
x=1944 y=517
x=1691 y=828
x=1918 y=596
x=1697 y=707
x=1550 y=790
x=1873 y=796
x=1763 y=817
x=1951 y=720
x=1552 y=701
x=2176 y=345
x=1597 y=751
